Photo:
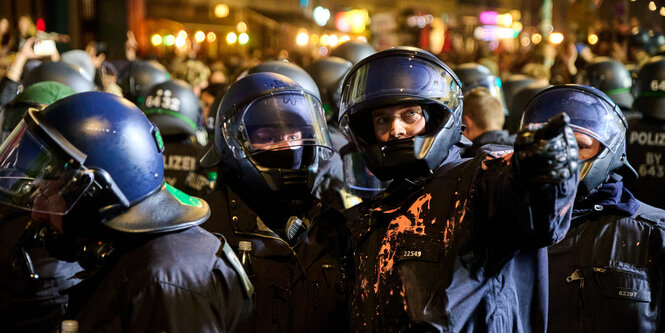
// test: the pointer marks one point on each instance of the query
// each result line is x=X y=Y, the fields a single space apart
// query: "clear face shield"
x=39 y=176
x=358 y=179
x=285 y=130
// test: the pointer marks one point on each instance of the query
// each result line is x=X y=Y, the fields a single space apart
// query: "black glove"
x=547 y=153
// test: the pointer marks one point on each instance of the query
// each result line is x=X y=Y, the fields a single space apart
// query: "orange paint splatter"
x=399 y=226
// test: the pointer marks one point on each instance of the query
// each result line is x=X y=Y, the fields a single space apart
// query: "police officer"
x=612 y=78
x=174 y=108
x=31 y=281
x=453 y=244
x=90 y=167
x=646 y=136
x=605 y=276
x=270 y=137
x=328 y=183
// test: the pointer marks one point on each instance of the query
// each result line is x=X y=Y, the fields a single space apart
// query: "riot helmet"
x=99 y=149
x=328 y=73
x=293 y=71
x=511 y=86
x=656 y=42
x=271 y=133
x=66 y=74
x=640 y=39
x=140 y=77
x=173 y=107
x=471 y=72
x=402 y=76
x=353 y=51
x=650 y=89
x=610 y=77
x=80 y=59
x=38 y=95
x=591 y=113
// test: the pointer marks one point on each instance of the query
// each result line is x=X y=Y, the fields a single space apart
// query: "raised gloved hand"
x=547 y=153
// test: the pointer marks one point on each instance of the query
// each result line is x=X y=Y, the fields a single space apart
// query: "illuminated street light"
x=180 y=41
x=211 y=37
x=344 y=38
x=243 y=38
x=241 y=26
x=333 y=40
x=321 y=15
x=536 y=38
x=556 y=38
x=652 y=6
x=314 y=39
x=169 y=40
x=302 y=39
x=182 y=33
x=231 y=38
x=506 y=20
x=662 y=11
x=221 y=10
x=325 y=40
x=156 y=39
x=199 y=36
x=593 y=39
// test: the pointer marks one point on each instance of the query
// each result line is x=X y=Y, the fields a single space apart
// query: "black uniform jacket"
x=299 y=286
x=459 y=251
x=173 y=283
x=607 y=274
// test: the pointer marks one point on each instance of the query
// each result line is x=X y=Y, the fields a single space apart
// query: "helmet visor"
x=278 y=122
x=358 y=179
x=39 y=177
x=403 y=77
x=587 y=115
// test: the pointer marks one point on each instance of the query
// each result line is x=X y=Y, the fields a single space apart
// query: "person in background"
x=483 y=119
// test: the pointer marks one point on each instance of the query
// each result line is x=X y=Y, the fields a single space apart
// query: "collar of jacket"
x=265 y=242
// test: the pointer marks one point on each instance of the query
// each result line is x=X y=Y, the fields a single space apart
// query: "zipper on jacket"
x=576 y=276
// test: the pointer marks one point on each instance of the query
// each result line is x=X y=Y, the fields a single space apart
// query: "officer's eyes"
x=411 y=116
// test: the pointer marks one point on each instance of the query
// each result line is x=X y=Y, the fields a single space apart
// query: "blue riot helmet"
x=100 y=149
x=140 y=77
x=173 y=107
x=650 y=89
x=271 y=133
x=353 y=51
x=328 y=73
x=402 y=76
x=592 y=113
x=69 y=75
x=293 y=71
x=471 y=72
x=610 y=77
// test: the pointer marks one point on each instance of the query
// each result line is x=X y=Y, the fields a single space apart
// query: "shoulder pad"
x=651 y=214
x=225 y=251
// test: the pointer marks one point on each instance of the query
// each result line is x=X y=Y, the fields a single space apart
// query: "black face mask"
x=280 y=159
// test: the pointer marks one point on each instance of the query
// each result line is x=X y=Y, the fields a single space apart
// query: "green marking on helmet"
x=172 y=114
x=184 y=198
x=617 y=91
x=158 y=139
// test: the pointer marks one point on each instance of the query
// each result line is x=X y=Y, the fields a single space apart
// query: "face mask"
x=280 y=159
